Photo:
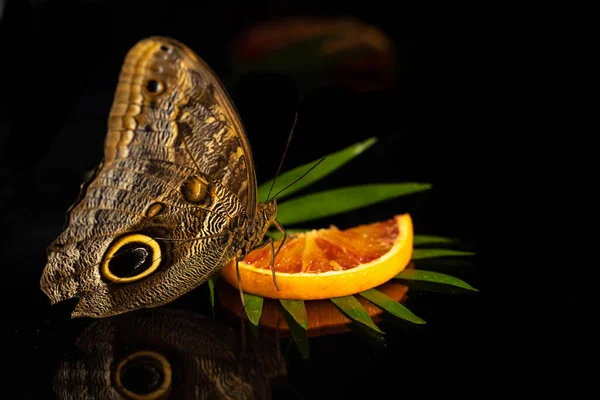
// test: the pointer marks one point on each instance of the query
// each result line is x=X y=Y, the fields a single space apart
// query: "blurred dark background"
x=60 y=62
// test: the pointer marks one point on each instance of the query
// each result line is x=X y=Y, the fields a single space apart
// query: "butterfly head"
x=268 y=210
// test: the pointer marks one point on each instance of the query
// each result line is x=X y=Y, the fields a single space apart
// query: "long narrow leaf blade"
x=350 y=306
x=278 y=235
x=212 y=281
x=390 y=305
x=330 y=164
x=431 y=276
x=299 y=334
x=421 y=254
x=254 y=306
x=337 y=201
x=446 y=262
x=297 y=311
x=429 y=239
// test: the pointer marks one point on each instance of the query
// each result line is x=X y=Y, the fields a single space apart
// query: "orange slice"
x=323 y=316
x=326 y=263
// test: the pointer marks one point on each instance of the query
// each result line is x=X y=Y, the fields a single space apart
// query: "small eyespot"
x=143 y=375
x=195 y=189
x=131 y=258
x=155 y=209
x=154 y=86
x=165 y=48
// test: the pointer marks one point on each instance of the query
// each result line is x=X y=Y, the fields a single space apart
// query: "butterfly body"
x=172 y=201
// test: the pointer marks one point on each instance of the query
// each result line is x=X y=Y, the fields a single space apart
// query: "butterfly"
x=172 y=201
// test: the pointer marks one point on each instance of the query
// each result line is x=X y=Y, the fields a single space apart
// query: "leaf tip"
x=365 y=145
x=373 y=327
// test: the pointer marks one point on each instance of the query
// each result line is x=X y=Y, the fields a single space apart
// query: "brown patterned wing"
x=170 y=106
x=177 y=177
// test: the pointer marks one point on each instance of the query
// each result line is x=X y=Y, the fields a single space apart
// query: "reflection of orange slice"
x=326 y=263
x=323 y=316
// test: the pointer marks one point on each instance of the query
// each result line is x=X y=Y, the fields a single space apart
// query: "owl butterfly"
x=173 y=200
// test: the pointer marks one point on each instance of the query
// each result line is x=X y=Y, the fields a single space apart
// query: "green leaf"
x=428 y=239
x=420 y=254
x=431 y=276
x=350 y=306
x=299 y=334
x=330 y=164
x=278 y=235
x=336 y=201
x=254 y=306
x=390 y=305
x=451 y=263
x=212 y=281
x=297 y=311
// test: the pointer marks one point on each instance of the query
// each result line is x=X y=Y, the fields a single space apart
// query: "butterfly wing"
x=171 y=103
x=154 y=220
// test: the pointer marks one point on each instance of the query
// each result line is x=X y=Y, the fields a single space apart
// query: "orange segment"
x=326 y=263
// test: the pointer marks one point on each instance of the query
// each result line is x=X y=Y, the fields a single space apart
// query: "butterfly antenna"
x=283 y=156
x=302 y=176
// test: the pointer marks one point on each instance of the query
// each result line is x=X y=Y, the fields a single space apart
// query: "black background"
x=60 y=63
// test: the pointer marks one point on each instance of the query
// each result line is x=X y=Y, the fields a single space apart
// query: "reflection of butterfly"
x=174 y=199
x=163 y=353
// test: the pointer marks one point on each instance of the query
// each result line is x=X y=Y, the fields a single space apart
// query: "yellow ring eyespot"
x=143 y=375
x=131 y=258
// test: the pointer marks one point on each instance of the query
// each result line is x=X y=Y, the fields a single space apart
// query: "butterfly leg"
x=274 y=253
x=273 y=263
x=283 y=232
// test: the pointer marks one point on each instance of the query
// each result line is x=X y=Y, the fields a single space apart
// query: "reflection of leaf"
x=430 y=276
x=255 y=329
x=317 y=51
x=211 y=288
x=297 y=311
x=420 y=254
x=298 y=333
x=350 y=306
x=332 y=162
x=336 y=201
x=375 y=338
x=254 y=305
x=428 y=239
x=390 y=305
